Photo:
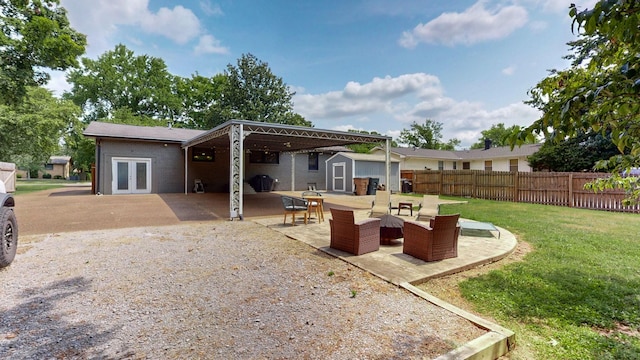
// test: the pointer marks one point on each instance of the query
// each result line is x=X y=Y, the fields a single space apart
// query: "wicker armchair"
x=355 y=238
x=382 y=203
x=294 y=206
x=437 y=241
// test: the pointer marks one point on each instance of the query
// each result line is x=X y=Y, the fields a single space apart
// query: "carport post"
x=387 y=163
x=236 y=138
x=186 y=176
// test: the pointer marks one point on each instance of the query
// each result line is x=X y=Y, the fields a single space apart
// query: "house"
x=134 y=159
x=58 y=167
x=343 y=168
x=490 y=158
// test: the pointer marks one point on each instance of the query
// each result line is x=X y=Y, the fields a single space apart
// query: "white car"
x=8 y=228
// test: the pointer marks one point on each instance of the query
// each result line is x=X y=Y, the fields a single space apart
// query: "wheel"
x=8 y=236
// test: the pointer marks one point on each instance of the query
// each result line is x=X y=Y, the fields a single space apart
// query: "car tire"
x=8 y=236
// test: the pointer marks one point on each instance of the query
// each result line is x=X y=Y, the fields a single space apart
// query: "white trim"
x=132 y=181
x=334 y=177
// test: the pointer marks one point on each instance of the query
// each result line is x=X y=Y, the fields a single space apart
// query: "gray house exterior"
x=342 y=168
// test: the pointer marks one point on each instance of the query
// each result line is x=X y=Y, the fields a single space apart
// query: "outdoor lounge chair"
x=355 y=238
x=294 y=206
x=381 y=204
x=429 y=207
x=437 y=241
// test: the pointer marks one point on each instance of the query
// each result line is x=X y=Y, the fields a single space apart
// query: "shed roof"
x=366 y=157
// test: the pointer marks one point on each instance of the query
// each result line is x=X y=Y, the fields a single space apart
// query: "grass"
x=28 y=186
x=576 y=295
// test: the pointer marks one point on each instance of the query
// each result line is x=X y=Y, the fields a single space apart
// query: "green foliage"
x=201 y=101
x=119 y=80
x=499 y=136
x=600 y=91
x=35 y=36
x=574 y=295
x=253 y=92
x=366 y=148
x=426 y=136
x=31 y=131
x=579 y=153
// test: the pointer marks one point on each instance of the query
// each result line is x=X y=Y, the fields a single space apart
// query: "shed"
x=342 y=168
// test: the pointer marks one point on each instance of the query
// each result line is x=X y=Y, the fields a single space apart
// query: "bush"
x=19 y=176
x=57 y=177
x=46 y=176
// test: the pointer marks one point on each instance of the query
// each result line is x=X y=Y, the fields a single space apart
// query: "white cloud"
x=58 y=83
x=208 y=44
x=509 y=70
x=475 y=24
x=211 y=9
x=388 y=105
x=100 y=19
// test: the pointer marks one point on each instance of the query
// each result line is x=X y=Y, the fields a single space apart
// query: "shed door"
x=131 y=176
x=338 y=176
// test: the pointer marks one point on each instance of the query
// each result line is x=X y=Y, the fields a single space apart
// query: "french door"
x=131 y=176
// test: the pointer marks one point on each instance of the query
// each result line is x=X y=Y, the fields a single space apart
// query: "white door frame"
x=132 y=178
x=334 y=177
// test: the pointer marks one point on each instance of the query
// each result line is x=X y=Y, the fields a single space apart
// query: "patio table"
x=391 y=228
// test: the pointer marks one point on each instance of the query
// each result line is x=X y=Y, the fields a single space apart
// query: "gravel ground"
x=215 y=290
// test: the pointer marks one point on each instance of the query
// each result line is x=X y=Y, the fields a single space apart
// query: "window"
x=440 y=165
x=487 y=165
x=48 y=166
x=455 y=165
x=264 y=157
x=513 y=165
x=466 y=165
x=313 y=161
x=203 y=154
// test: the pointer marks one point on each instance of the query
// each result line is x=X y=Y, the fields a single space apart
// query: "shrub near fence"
x=549 y=188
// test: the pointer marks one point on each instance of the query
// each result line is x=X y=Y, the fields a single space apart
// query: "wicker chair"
x=355 y=238
x=437 y=241
x=294 y=206
x=382 y=203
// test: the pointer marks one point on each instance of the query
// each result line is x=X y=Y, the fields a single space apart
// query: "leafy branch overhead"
x=600 y=91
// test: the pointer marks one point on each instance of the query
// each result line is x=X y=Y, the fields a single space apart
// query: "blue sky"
x=375 y=65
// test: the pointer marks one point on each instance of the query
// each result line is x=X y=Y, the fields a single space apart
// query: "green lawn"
x=27 y=186
x=577 y=294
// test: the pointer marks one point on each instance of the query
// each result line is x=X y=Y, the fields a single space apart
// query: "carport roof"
x=279 y=137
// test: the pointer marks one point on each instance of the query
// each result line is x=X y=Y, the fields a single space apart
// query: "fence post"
x=571 y=195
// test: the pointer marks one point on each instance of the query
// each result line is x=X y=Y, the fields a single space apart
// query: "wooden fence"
x=561 y=189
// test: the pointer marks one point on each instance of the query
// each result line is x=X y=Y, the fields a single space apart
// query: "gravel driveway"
x=211 y=290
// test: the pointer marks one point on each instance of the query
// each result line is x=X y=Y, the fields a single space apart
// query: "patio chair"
x=428 y=208
x=381 y=204
x=356 y=238
x=295 y=206
x=437 y=241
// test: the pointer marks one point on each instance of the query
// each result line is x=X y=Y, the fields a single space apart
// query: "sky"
x=374 y=65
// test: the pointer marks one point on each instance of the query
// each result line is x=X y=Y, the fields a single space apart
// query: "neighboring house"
x=57 y=167
x=489 y=159
x=343 y=167
x=136 y=159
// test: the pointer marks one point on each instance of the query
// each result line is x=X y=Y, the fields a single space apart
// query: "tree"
x=426 y=136
x=201 y=98
x=499 y=136
x=119 y=79
x=35 y=36
x=254 y=93
x=599 y=92
x=366 y=148
x=31 y=131
x=579 y=153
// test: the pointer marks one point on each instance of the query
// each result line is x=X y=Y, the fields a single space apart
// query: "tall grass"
x=577 y=295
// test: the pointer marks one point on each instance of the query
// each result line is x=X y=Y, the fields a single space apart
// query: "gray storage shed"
x=343 y=167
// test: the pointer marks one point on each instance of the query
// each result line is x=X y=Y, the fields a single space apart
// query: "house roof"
x=151 y=133
x=59 y=160
x=366 y=157
x=494 y=152
x=258 y=136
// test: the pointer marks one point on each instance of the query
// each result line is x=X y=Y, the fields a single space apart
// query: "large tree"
x=426 y=136
x=31 y=131
x=35 y=36
x=499 y=135
x=601 y=89
x=575 y=154
x=254 y=93
x=201 y=98
x=117 y=80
